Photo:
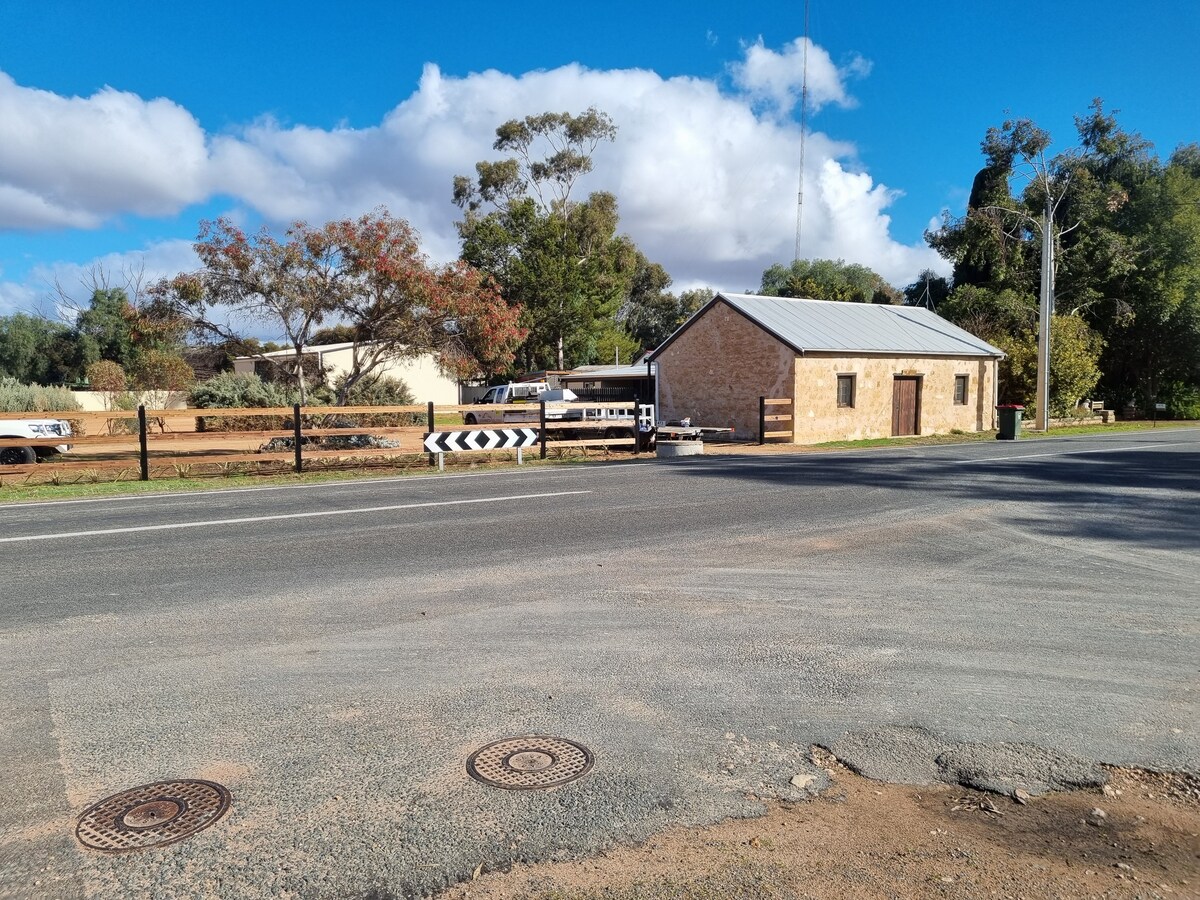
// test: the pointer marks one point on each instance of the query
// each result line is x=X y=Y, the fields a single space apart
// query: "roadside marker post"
x=430 y=431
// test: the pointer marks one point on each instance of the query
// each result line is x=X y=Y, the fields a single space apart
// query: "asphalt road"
x=333 y=653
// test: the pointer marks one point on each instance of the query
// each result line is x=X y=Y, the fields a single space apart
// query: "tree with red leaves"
x=367 y=274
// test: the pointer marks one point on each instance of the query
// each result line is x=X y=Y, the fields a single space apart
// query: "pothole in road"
x=529 y=763
x=152 y=815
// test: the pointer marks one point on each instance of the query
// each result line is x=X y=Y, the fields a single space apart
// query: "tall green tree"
x=828 y=279
x=930 y=290
x=34 y=350
x=561 y=260
x=107 y=325
x=651 y=312
x=1127 y=253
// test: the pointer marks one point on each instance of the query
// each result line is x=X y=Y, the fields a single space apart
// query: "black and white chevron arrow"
x=480 y=439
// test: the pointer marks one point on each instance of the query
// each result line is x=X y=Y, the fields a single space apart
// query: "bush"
x=107 y=376
x=231 y=390
x=17 y=397
x=377 y=391
x=1183 y=401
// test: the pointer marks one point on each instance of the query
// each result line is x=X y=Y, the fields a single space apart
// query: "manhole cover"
x=529 y=763
x=152 y=815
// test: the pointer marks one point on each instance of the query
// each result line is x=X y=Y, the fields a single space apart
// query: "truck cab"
x=520 y=392
x=512 y=402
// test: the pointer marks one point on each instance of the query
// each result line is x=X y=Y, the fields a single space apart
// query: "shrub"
x=231 y=390
x=1183 y=401
x=17 y=397
x=377 y=391
x=106 y=376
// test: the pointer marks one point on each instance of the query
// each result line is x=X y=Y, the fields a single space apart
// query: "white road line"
x=184 y=495
x=136 y=499
x=1129 y=449
x=275 y=518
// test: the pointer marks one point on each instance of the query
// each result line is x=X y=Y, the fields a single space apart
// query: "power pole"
x=1042 y=420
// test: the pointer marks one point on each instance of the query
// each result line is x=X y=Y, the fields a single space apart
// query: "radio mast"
x=803 y=134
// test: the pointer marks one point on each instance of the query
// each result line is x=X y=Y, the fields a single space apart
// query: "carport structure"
x=851 y=371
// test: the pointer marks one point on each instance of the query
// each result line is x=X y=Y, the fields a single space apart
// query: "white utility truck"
x=43 y=431
x=519 y=403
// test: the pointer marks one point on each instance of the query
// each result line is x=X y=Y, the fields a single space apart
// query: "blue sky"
x=124 y=123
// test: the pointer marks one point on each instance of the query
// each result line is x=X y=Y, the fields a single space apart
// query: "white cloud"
x=57 y=289
x=706 y=177
x=75 y=161
x=779 y=77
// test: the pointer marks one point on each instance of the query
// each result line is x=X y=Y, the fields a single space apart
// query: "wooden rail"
x=763 y=418
x=165 y=440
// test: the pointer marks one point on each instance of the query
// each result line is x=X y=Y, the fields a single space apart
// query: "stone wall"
x=717 y=369
x=818 y=417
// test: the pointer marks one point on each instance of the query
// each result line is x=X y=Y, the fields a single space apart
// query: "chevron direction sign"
x=482 y=439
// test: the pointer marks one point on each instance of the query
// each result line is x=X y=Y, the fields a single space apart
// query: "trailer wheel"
x=17 y=456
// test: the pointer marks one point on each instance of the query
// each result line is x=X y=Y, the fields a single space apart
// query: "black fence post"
x=143 y=447
x=637 y=427
x=296 y=438
x=762 y=420
x=429 y=425
x=542 y=425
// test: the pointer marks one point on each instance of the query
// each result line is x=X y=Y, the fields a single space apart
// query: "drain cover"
x=529 y=763
x=152 y=815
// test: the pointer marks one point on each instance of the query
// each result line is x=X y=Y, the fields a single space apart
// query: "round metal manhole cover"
x=529 y=763
x=152 y=815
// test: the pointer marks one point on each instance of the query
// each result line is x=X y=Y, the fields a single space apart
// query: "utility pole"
x=1042 y=420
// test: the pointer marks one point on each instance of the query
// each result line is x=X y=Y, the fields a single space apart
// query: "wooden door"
x=906 y=406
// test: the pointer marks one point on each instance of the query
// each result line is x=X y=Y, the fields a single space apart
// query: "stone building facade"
x=850 y=371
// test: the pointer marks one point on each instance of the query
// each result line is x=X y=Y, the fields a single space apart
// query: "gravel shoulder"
x=1136 y=837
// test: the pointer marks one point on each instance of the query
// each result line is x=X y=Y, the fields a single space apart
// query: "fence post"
x=143 y=448
x=542 y=424
x=762 y=420
x=296 y=437
x=429 y=421
x=637 y=426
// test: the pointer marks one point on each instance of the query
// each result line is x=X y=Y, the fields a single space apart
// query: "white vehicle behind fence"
x=520 y=404
x=40 y=430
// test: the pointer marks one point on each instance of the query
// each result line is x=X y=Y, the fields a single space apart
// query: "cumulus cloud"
x=58 y=290
x=77 y=161
x=706 y=175
x=779 y=77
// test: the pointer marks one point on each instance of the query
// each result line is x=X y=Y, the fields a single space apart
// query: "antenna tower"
x=803 y=133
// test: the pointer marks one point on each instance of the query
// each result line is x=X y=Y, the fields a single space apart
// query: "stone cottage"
x=847 y=371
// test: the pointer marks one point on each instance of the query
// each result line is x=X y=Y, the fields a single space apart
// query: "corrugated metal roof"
x=816 y=325
x=590 y=373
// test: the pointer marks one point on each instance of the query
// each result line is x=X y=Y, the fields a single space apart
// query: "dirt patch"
x=1138 y=837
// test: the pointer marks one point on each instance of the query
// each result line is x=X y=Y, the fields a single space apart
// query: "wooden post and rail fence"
x=766 y=419
x=173 y=441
